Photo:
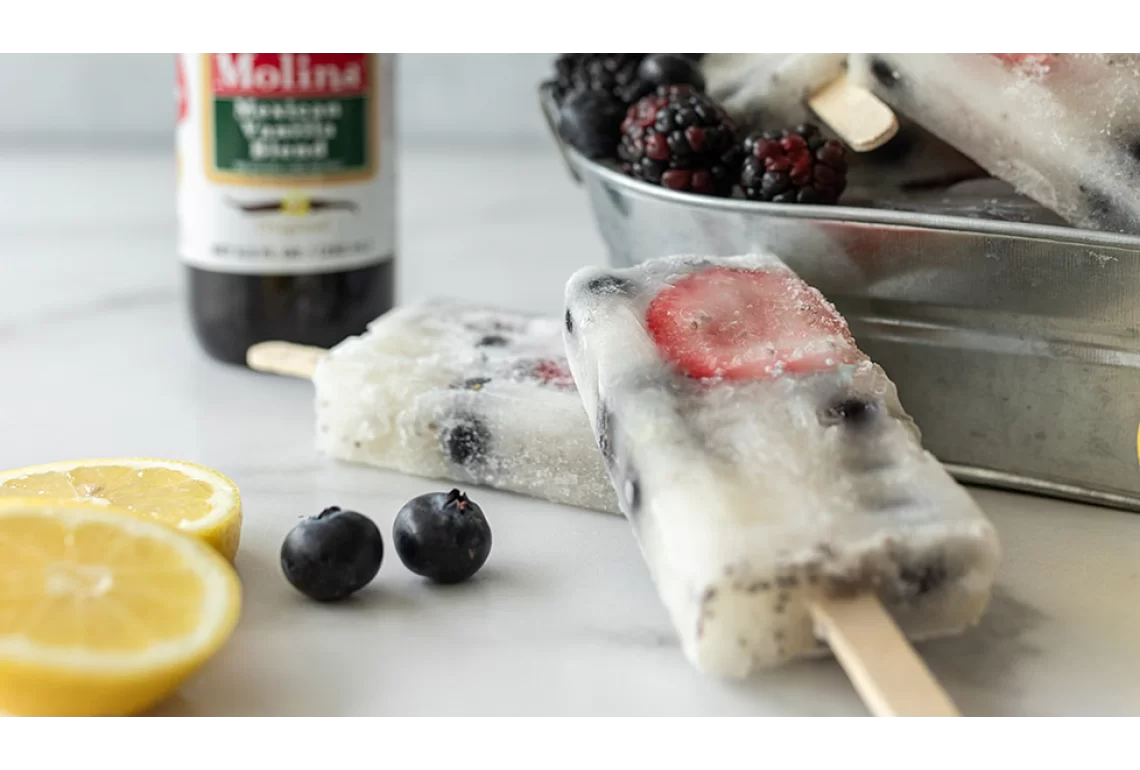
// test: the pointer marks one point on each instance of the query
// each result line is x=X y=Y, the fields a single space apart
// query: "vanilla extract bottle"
x=286 y=196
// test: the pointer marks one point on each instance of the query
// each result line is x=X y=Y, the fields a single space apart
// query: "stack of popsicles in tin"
x=1063 y=129
x=778 y=490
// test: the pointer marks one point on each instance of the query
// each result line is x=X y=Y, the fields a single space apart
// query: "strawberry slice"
x=551 y=372
x=1034 y=60
x=180 y=81
x=748 y=324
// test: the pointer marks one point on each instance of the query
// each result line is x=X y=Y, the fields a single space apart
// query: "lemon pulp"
x=102 y=612
x=195 y=499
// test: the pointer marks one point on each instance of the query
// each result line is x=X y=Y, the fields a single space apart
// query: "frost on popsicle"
x=770 y=92
x=472 y=394
x=763 y=459
x=1063 y=129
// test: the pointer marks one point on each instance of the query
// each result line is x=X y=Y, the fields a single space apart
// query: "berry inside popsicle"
x=460 y=391
x=764 y=461
x=1061 y=128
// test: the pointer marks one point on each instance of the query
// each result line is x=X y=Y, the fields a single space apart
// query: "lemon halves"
x=103 y=612
x=194 y=499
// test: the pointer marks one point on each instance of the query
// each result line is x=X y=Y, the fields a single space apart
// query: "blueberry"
x=442 y=536
x=332 y=555
x=885 y=500
x=492 y=341
x=664 y=69
x=884 y=73
x=1133 y=148
x=591 y=122
x=921 y=579
x=605 y=433
x=632 y=491
x=610 y=284
x=852 y=411
x=1104 y=211
x=466 y=440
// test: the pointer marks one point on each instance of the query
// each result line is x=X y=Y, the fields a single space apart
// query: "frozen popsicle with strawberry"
x=764 y=461
x=1063 y=129
x=449 y=389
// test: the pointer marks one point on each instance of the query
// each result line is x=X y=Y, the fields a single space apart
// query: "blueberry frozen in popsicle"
x=1063 y=129
x=455 y=390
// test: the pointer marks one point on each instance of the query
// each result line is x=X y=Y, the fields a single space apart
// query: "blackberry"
x=680 y=139
x=668 y=69
x=797 y=165
x=613 y=73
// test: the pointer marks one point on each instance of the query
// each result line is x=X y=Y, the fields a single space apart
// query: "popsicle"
x=769 y=90
x=1063 y=129
x=454 y=390
x=766 y=464
x=773 y=91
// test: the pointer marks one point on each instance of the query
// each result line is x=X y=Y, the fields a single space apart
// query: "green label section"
x=291 y=137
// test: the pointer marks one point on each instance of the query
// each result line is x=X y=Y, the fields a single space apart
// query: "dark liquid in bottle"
x=231 y=312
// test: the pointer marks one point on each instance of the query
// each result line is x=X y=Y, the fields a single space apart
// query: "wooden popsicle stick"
x=860 y=119
x=285 y=358
x=885 y=670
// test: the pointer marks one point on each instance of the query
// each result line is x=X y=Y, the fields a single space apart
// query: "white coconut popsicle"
x=765 y=463
x=770 y=89
x=458 y=391
x=1063 y=129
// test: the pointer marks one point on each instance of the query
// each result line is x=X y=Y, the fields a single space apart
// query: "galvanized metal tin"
x=1015 y=346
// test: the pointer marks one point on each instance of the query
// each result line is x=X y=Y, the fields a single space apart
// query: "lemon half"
x=193 y=498
x=102 y=612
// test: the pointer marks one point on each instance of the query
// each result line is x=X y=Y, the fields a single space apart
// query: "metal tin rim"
x=578 y=164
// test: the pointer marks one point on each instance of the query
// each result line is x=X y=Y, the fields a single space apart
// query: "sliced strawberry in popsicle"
x=555 y=373
x=180 y=81
x=1041 y=60
x=748 y=324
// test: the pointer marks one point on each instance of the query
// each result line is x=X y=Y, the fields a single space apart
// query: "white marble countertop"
x=98 y=360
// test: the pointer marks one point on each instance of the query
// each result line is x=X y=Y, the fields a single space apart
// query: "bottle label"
x=279 y=162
